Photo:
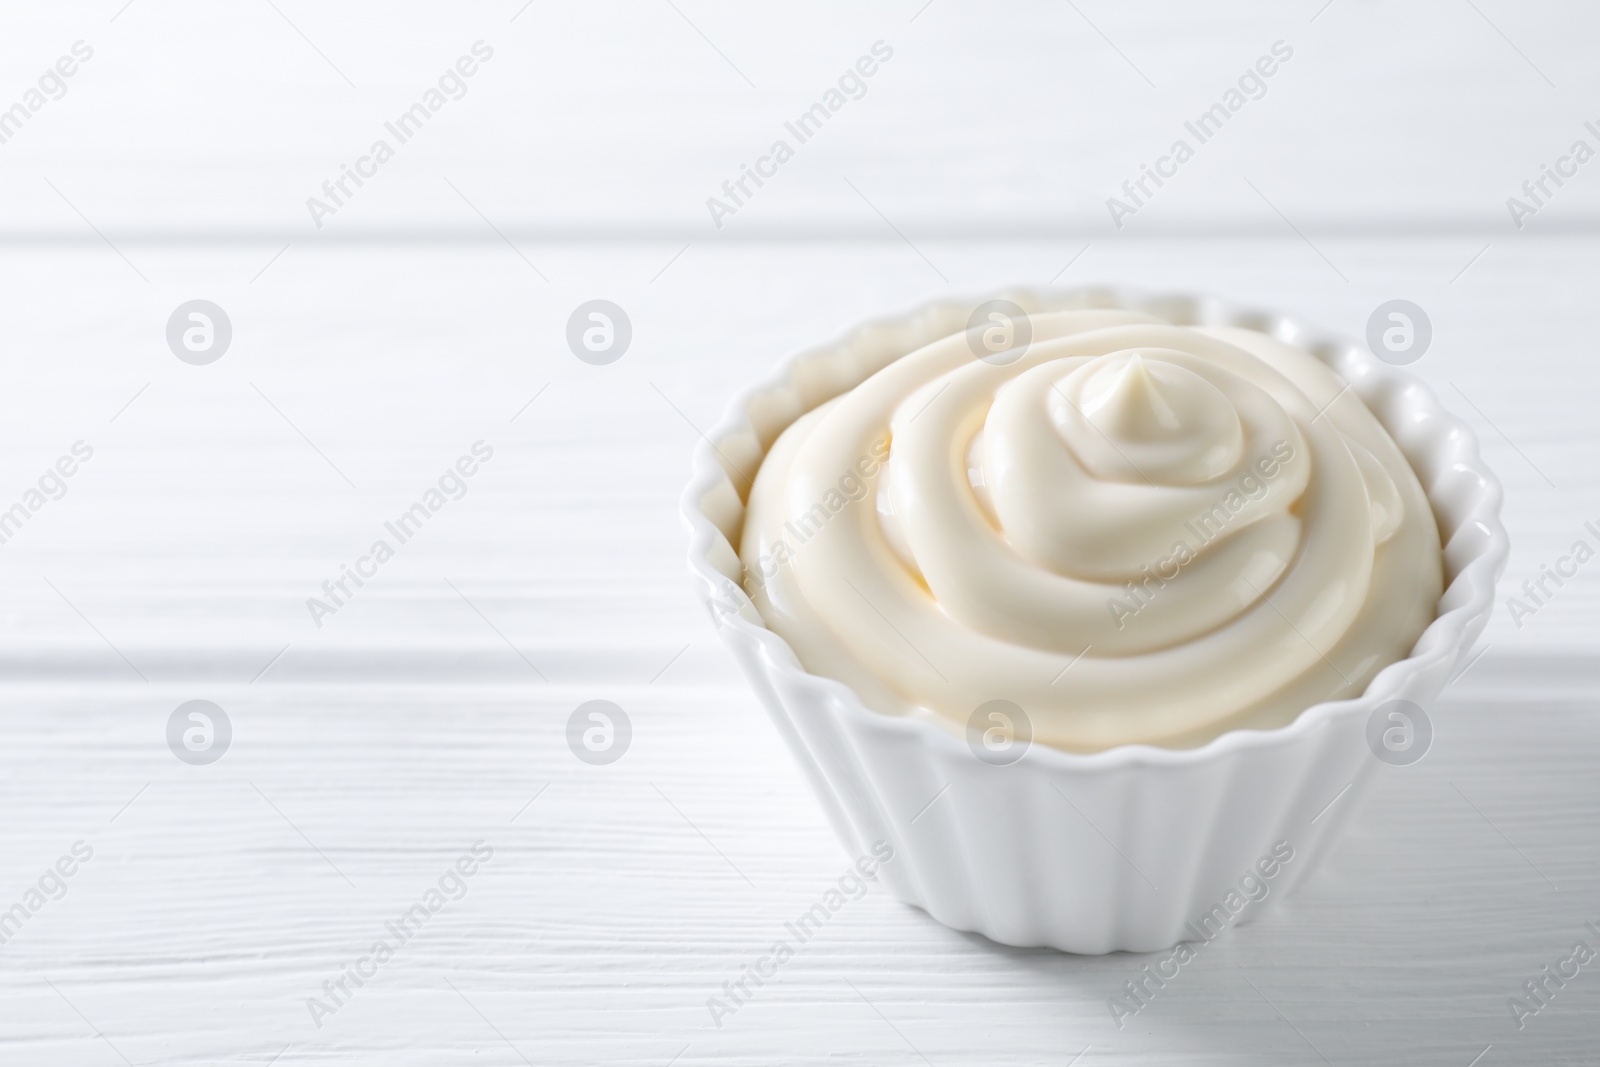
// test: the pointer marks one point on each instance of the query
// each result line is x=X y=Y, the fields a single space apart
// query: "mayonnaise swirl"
x=1135 y=531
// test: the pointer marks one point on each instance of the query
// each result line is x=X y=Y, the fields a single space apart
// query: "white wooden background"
x=426 y=715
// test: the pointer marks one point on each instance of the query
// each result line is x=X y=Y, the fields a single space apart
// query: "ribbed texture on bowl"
x=1117 y=850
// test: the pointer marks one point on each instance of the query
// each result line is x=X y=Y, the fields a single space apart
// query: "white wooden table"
x=430 y=711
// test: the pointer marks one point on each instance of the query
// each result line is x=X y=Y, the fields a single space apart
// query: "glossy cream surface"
x=1134 y=531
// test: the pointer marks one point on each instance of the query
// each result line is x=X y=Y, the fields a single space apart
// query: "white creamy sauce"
x=1137 y=532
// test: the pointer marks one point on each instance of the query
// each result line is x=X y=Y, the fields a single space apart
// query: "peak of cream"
x=1138 y=415
x=1137 y=532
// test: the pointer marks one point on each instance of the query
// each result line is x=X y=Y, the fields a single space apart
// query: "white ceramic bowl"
x=1137 y=847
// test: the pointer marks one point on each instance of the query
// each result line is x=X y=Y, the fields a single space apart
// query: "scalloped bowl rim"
x=1442 y=636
